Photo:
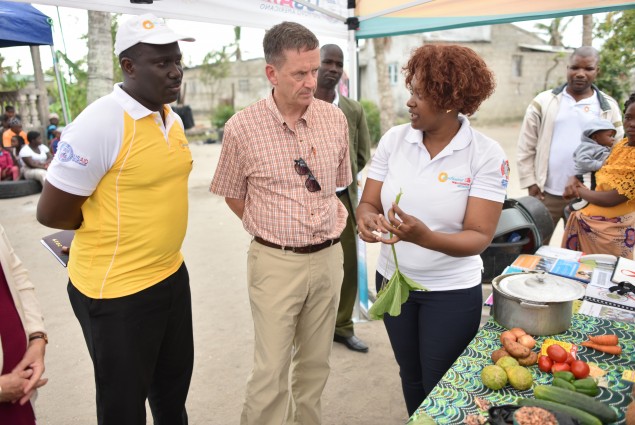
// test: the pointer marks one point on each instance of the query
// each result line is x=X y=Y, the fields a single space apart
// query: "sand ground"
x=362 y=388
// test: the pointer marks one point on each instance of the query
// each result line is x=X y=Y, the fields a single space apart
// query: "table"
x=453 y=398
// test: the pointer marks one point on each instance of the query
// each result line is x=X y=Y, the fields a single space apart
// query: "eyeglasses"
x=302 y=169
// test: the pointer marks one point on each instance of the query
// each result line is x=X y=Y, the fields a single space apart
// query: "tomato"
x=580 y=369
x=559 y=367
x=545 y=363
x=557 y=353
x=570 y=358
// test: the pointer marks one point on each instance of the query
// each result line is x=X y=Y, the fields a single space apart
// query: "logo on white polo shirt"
x=65 y=153
x=462 y=182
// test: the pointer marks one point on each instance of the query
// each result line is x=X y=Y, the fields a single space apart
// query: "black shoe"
x=352 y=343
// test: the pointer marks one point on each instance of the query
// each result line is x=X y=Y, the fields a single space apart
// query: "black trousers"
x=431 y=332
x=142 y=348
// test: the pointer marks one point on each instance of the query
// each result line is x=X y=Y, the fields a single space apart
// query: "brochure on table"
x=600 y=301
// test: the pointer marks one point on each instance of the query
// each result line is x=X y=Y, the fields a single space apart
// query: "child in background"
x=57 y=133
x=597 y=140
x=54 y=121
x=9 y=169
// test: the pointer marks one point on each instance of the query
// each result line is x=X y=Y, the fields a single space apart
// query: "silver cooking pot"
x=537 y=302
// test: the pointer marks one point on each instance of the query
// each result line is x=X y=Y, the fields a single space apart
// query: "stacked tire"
x=15 y=189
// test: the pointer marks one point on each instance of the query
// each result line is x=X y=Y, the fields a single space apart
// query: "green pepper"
x=586 y=386
x=564 y=374
x=559 y=382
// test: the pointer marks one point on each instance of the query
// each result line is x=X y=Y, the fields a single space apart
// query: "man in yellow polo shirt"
x=120 y=179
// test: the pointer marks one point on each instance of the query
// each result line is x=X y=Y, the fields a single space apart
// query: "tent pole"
x=361 y=312
x=59 y=86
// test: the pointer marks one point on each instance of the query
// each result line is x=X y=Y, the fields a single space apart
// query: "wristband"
x=39 y=335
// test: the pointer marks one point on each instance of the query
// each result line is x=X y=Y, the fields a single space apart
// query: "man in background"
x=329 y=75
x=14 y=128
x=552 y=129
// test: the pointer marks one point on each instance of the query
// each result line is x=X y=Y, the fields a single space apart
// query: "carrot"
x=604 y=339
x=609 y=349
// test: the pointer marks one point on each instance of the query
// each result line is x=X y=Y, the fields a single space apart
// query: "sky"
x=68 y=37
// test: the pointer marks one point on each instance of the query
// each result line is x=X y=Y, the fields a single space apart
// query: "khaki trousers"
x=555 y=204
x=38 y=174
x=294 y=299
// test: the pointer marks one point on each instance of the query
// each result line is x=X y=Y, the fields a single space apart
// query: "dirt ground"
x=362 y=388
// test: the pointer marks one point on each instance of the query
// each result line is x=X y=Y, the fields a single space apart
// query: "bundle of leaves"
x=394 y=293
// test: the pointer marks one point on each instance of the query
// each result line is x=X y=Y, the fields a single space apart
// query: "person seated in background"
x=4 y=120
x=54 y=120
x=57 y=133
x=17 y=142
x=597 y=140
x=9 y=169
x=9 y=111
x=36 y=158
x=23 y=339
x=607 y=224
x=15 y=129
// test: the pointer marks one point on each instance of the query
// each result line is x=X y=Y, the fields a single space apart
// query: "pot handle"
x=533 y=305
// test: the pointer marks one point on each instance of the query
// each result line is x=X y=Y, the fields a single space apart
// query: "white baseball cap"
x=148 y=29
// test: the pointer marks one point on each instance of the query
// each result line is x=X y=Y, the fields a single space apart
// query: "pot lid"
x=541 y=287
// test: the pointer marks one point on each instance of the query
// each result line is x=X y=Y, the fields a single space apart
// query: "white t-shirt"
x=567 y=133
x=436 y=191
x=27 y=152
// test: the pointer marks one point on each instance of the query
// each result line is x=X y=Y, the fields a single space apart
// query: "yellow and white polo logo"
x=147 y=24
x=443 y=176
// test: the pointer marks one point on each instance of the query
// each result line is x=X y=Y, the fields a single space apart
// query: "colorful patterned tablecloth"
x=453 y=398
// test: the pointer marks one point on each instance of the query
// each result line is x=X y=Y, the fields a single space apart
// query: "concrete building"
x=245 y=84
x=523 y=63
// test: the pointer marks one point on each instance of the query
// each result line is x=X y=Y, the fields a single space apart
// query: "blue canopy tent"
x=23 y=25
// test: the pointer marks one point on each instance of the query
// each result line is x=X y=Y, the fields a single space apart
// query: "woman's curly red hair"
x=450 y=77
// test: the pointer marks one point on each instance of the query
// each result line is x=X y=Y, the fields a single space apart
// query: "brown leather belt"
x=299 y=249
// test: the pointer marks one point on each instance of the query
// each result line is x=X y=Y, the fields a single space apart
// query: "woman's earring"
x=448 y=111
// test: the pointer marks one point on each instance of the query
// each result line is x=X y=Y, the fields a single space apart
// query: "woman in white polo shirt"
x=454 y=181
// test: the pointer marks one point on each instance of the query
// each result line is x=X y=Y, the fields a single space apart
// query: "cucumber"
x=583 y=417
x=564 y=374
x=586 y=386
x=573 y=399
x=559 y=382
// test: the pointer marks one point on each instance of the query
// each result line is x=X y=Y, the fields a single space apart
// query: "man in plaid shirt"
x=282 y=160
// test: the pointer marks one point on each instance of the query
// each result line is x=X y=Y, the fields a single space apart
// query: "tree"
x=216 y=66
x=616 y=57
x=587 y=30
x=75 y=85
x=214 y=69
x=100 y=66
x=387 y=117
x=9 y=79
x=237 y=53
x=554 y=30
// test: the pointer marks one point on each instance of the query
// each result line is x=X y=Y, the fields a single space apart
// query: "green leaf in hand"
x=395 y=292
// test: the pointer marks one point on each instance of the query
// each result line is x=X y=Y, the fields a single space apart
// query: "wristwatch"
x=38 y=335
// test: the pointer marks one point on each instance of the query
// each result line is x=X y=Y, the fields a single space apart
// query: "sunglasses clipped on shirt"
x=302 y=169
